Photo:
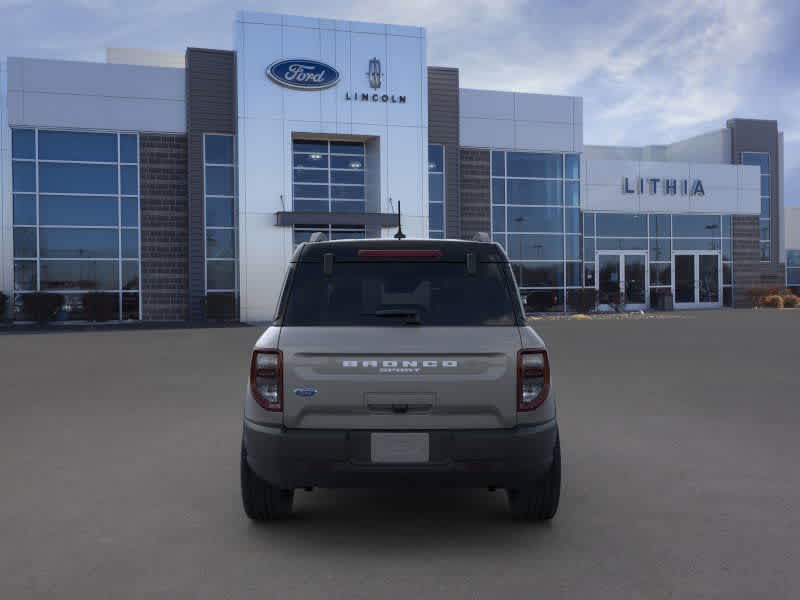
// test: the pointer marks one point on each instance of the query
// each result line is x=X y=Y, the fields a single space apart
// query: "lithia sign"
x=669 y=187
x=306 y=74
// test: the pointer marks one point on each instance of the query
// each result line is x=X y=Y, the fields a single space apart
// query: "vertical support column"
x=210 y=108
x=475 y=198
x=443 y=128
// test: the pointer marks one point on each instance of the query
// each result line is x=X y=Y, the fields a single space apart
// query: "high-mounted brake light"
x=533 y=379
x=400 y=253
x=266 y=379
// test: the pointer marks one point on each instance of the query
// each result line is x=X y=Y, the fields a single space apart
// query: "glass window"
x=347 y=234
x=130 y=243
x=128 y=148
x=79 y=275
x=696 y=225
x=536 y=219
x=621 y=243
x=765 y=185
x=130 y=212
x=572 y=191
x=23 y=143
x=572 y=247
x=573 y=166
x=24 y=209
x=588 y=224
x=78 y=243
x=573 y=274
x=542 y=274
x=535 y=247
x=130 y=275
x=77 y=210
x=435 y=158
x=436 y=216
x=660 y=249
x=347 y=206
x=498 y=191
x=219 y=212
x=530 y=164
x=727 y=297
x=23 y=176
x=355 y=177
x=572 y=220
x=220 y=243
x=312 y=175
x=129 y=180
x=130 y=307
x=727 y=249
x=727 y=273
x=765 y=208
x=312 y=146
x=25 y=275
x=219 y=149
x=312 y=205
x=25 y=242
x=588 y=249
x=66 y=178
x=498 y=218
x=78 y=146
x=436 y=187
x=765 y=251
x=793 y=277
x=347 y=192
x=498 y=163
x=219 y=181
x=793 y=258
x=727 y=226
x=537 y=301
x=660 y=226
x=763 y=229
x=347 y=148
x=318 y=161
x=346 y=162
x=310 y=191
x=759 y=159
x=221 y=274
x=588 y=274
x=622 y=225
x=660 y=274
x=527 y=191
x=695 y=244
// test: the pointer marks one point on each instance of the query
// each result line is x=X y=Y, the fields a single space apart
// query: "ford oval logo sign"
x=303 y=74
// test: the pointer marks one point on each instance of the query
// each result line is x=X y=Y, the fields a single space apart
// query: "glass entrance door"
x=697 y=280
x=622 y=280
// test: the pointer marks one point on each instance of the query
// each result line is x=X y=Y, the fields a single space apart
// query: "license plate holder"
x=399 y=447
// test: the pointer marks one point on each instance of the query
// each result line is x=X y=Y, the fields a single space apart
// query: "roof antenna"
x=399 y=235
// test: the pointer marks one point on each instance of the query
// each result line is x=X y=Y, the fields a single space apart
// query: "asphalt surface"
x=119 y=476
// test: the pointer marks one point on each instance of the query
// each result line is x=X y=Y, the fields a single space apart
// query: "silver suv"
x=400 y=363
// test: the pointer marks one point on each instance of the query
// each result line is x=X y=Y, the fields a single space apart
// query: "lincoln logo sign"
x=670 y=187
x=302 y=74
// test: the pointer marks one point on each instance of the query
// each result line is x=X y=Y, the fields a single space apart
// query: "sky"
x=649 y=72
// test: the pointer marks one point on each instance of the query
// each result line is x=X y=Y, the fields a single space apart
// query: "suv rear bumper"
x=294 y=458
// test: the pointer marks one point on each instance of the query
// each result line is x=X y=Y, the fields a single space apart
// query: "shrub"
x=99 y=306
x=3 y=306
x=41 y=306
x=790 y=300
x=773 y=301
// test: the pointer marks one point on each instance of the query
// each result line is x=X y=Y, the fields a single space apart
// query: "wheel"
x=539 y=501
x=262 y=501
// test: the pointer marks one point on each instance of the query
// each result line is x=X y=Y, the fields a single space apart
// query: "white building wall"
x=791 y=228
x=270 y=114
x=713 y=147
x=518 y=121
x=729 y=189
x=83 y=95
x=147 y=58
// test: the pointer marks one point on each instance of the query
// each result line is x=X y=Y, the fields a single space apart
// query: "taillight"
x=266 y=379
x=533 y=379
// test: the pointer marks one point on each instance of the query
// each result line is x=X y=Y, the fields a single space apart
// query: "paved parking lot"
x=681 y=440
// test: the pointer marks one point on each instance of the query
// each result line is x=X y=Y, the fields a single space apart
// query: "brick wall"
x=475 y=197
x=165 y=227
x=746 y=254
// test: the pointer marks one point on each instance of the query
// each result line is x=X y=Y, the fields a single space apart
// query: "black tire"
x=262 y=501
x=538 y=502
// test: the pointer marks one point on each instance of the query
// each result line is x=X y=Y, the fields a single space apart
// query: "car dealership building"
x=182 y=183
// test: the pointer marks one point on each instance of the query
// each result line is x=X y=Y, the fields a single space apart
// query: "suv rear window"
x=381 y=293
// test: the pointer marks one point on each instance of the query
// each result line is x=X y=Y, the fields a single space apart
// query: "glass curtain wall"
x=536 y=217
x=660 y=234
x=793 y=270
x=76 y=219
x=436 y=191
x=328 y=176
x=222 y=280
x=761 y=160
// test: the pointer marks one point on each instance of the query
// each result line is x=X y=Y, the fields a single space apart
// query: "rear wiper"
x=412 y=316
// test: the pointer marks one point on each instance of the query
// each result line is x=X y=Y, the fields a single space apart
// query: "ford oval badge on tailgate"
x=305 y=392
